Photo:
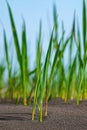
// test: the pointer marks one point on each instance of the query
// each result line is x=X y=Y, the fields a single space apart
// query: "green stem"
x=40 y=112
x=46 y=106
x=33 y=112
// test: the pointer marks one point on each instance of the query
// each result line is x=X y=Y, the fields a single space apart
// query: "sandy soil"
x=61 y=117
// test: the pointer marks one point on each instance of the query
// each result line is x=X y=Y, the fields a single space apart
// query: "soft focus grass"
x=50 y=78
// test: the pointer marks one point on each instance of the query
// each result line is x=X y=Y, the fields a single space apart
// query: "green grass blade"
x=47 y=60
x=6 y=54
x=79 y=48
x=72 y=71
x=56 y=58
x=24 y=61
x=16 y=42
x=55 y=21
x=73 y=28
x=39 y=52
x=24 y=49
x=32 y=72
x=84 y=30
x=65 y=45
x=84 y=24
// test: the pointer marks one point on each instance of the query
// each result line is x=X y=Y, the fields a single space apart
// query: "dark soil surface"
x=61 y=116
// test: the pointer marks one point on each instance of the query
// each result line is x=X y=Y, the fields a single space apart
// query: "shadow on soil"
x=15 y=116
